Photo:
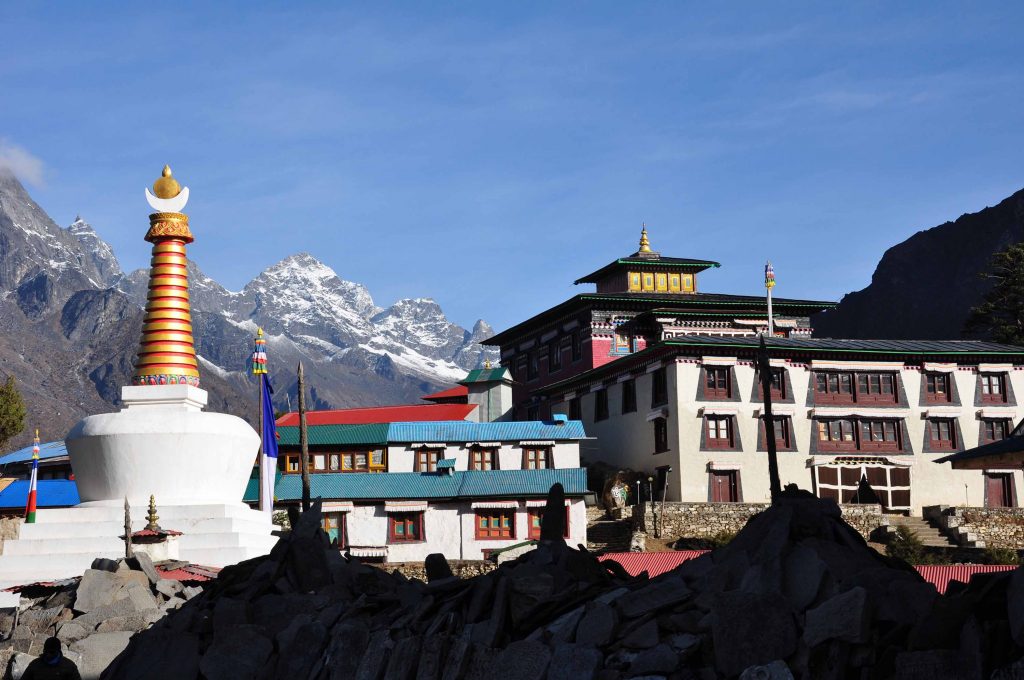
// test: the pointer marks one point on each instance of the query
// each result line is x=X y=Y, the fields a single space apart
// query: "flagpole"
x=30 y=505
x=262 y=460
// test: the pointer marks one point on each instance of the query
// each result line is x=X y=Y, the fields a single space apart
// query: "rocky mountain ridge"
x=70 y=320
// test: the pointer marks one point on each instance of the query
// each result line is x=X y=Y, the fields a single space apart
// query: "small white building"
x=400 y=491
x=689 y=410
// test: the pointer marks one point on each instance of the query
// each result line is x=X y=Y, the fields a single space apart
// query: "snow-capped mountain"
x=69 y=321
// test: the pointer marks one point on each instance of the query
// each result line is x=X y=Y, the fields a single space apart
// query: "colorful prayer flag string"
x=259 y=354
x=30 y=507
x=769 y=276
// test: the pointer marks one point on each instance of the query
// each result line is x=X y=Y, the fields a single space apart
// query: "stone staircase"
x=607 y=535
x=929 y=534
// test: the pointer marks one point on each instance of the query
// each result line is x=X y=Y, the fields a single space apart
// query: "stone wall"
x=10 y=527
x=461 y=568
x=980 y=527
x=707 y=520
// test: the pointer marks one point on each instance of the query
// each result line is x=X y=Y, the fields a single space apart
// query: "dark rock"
x=802 y=574
x=776 y=670
x=96 y=589
x=376 y=657
x=643 y=636
x=934 y=664
x=145 y=565
x=574 y=662
x=103 y=564
x=161 y=654
x=523 y=660
x=437 y=567
x=403 y=661
x=751 y=630
x=662 y=593
x=347 y=646
x=659 y=659
x=229 y=612
x=482 y=664
x=432 y=657
x=457 y=660
x=296 y=660
x=597 y=625
x=237 y=652
x=1015 y=605
x=98 y=650
x=843 y=617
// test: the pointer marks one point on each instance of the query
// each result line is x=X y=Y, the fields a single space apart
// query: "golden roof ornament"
x=645 y=245
x=487 y=364
x=166 y=186
x=151 y=516
x=168 y=196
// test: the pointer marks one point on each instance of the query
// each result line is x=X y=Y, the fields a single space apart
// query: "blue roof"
x=48 y=450
x=50 y=493
x=368 y=486
x=464 y=431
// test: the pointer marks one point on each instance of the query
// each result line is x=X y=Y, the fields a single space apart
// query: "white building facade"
x=856 y=420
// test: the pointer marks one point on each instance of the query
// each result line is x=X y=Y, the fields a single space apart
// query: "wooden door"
x=724 y=486
x=997 y=490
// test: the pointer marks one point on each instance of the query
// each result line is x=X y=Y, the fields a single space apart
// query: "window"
x=291 y=463
x=993 y=388
x=577 y=346
x=843 y=434
x=719 y=432
x=673 y=283
x=601 y=405
x=334 y=462
x=354 y=461
x=659 y=388
x=833 y=387
x=994 y=430
x=536 y=518
x=536 y=457
x=555 y=355
x=661 y=282
x=943 y=434
x=622 y=344
x=533 y=412
x=782 y=432
x=318 y=462
x=495 y=524
x=717 y=384
x=629 y=396
x=532 y=368
x=483 y=459
x=660 y=435
x=725 y=486
x=426 y=459
x=778 y=385
x=575 y=409
x=864 y=479
x=876 y=387
x=937 y=388
x=836 y=435
x=333 y=524
x=405 y=527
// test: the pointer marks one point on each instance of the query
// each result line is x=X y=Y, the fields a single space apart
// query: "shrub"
x=906 y=546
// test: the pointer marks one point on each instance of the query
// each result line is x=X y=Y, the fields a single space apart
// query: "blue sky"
x=487 y=154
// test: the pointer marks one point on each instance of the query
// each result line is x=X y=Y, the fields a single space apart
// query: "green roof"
x=327 y=435
x=479 y=375
x=687 y=263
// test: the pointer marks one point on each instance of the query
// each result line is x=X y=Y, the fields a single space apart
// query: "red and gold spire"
x=167 y=354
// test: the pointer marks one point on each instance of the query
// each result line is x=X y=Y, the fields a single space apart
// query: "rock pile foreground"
x=797 y=593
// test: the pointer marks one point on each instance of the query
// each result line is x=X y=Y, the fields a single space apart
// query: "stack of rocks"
x=797 y=593
x=94 y=616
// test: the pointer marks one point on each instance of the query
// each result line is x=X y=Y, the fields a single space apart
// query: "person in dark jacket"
x=52 y=665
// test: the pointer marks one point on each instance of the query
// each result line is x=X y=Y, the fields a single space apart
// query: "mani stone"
x=663 y=593
x=162 y=654
x=843 y=617
x=642 y=637
x=597 y=625
x=98 y=650
x=96 y=589
x=574 y=662
x=749 y=629
x=658 y=659
x=776 y=670
x=237 y=652
x=523 y=660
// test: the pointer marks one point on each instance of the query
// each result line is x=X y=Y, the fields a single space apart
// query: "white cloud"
x=23 y=164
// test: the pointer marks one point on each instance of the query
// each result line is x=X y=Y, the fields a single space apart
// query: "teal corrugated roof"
x=325 y=435
x=369 y=486
x=486 y=375
x=464 y=431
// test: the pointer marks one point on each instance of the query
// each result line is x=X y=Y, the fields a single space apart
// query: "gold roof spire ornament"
x=166 y=186
x=151 y=516
x=487 y=364
x=645 y=245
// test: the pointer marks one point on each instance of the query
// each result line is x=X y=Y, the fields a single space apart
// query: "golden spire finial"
x=487 y=364
x=645 y=245
x=259 y=332
x=166 y=186
x=151 y=516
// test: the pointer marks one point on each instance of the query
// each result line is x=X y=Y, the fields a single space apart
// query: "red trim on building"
x=451 y=393
x=381 y=414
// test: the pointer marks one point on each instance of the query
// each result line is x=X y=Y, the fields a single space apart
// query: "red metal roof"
x=382 y=414
x=450 y=393
x=655 y=563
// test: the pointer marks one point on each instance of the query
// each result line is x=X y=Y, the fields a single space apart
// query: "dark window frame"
x=601 y=404
x=993 y=426
x=717 y=383
x=575 y=409
x=727 y=442
x=499 y=514
x=477 y=454
x=555 y=355
x=660 y=435
x=533 y=456
x=938 y=388
x=985 y=393
x=426 y=458
x=659 y=387
x=629 y=396
x=577 y=346
x=534 y=527
x=406 y=520
x=942 y=435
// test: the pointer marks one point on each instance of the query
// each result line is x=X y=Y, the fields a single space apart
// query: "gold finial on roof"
x=487 y=364
x=166 y=186
x=151 y=516
x=259 y=332
x=645 y=245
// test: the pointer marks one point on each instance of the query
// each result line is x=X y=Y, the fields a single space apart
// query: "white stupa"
x=161 y=443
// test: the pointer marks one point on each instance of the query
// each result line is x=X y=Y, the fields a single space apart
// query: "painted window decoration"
x=532 y=365
x=673 y=283
x=994 y=430
x=864 y=479
x=993 y=388
x=345 y=461
x=858 y=434
x=426 y=459
x=717 y=382
x=648 y=282
x=333 y=524
x=634 y=282
x=937 y=388
x=720 y=432
x=661 y=283
x=536 y=457
x=601 y=405
x=495 y=524
x=688 y=283
x=629 y=396
x=577 y=346
x=622 y=343
x=483 y=458
x=660 y=435
x=405 y=527
x=943 y=434
x=536 y=519
x=291 y=463
x=554 y=355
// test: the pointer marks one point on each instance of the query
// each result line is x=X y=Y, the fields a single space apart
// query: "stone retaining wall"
x=980 y=527
x=461 y=568
x=707 y=520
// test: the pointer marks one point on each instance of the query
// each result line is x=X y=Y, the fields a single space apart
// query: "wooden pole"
x=765 y=369
x=303 y=442
x=127 y=529
x=260 y=463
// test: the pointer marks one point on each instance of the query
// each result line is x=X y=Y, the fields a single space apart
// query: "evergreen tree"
x=12 y=412
x=1000 y=316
